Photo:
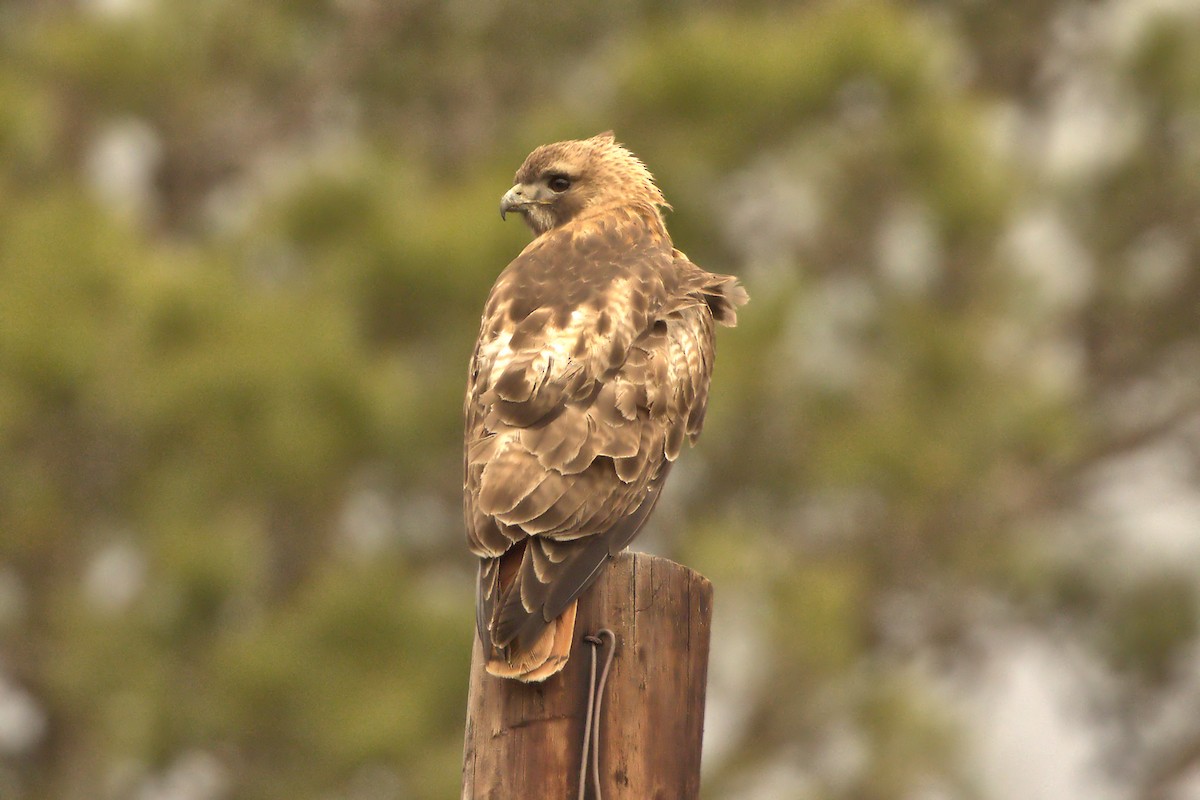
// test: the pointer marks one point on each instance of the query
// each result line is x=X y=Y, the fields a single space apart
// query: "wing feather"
x=591 y=367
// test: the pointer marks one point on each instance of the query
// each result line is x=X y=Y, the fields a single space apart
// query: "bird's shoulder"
x=620 y=252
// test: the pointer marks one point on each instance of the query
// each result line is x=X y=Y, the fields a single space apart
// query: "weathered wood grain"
x=524 y=740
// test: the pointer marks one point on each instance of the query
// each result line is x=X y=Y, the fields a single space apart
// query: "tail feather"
x=547 y=655
x=526 y=614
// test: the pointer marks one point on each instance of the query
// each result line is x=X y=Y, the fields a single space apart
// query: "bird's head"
x=560 y=181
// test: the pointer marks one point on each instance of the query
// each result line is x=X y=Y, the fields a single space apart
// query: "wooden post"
x=524 y=741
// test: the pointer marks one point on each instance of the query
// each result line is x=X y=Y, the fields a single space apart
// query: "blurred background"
x=949 y=490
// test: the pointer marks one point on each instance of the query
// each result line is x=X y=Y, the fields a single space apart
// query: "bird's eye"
x=559 y=183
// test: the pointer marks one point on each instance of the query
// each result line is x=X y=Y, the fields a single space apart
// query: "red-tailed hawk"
x=591 y=368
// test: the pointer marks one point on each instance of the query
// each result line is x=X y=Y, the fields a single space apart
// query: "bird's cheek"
x=540 y=218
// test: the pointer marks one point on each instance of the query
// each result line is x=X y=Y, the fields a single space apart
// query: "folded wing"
x=592 y=366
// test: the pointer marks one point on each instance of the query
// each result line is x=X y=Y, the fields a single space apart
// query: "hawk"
x=591 y=368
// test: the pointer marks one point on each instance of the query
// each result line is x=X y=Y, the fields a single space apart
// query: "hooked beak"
x=510 y=202
x=518 y=198
x=513 y=200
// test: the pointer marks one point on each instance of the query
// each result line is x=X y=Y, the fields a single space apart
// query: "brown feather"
x=591 y=368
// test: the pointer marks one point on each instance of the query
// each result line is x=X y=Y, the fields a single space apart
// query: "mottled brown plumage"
x=591 y=368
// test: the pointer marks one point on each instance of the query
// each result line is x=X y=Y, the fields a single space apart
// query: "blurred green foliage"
x=243 y=250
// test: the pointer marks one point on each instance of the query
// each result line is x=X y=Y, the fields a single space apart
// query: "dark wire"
x=591 y=725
